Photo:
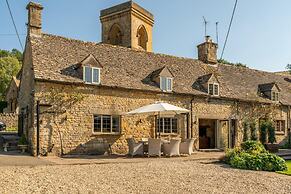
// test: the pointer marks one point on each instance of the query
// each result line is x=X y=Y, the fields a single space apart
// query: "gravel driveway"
x=144 y=176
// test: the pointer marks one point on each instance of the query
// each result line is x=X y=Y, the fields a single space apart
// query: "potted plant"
x=22 y=144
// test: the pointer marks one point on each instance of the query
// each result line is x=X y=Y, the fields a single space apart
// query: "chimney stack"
x=207 y=51
x=34 y=18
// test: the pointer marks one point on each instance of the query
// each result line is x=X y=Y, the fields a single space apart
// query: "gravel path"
x=152 y=176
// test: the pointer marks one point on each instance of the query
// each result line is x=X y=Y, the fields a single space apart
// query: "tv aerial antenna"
x=205 y=25
x=216 y=27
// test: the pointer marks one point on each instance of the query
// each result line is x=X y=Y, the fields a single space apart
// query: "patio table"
x=146 y=145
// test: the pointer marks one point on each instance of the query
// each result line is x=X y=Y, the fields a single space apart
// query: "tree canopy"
x=10 y=64
x=288 y=67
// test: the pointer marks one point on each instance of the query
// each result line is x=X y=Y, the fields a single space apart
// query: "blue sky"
x=260 y=36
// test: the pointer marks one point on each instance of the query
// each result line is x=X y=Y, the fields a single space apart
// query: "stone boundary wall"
x=10 y=119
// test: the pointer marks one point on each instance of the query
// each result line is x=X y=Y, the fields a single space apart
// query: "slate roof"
x=55 y=58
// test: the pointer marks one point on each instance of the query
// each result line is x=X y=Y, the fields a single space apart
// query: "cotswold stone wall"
x=10 y=119
x=66 y=121
x=72 y=129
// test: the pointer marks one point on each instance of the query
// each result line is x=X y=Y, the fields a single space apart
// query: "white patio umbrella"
x=159 y=108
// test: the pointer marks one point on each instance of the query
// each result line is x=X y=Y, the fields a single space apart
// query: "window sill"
x=100 y=134
x=88 y=83
x=279 y=133
x=166 y=134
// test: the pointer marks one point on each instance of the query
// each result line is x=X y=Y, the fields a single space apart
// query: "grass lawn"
x=288 y=172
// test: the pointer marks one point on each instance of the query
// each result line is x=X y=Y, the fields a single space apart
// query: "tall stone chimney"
x=207 y=51
x=34 y=18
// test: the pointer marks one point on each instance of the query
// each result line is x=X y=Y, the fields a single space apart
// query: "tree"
x=10 y=64
x=230 y=63
x=288 y=67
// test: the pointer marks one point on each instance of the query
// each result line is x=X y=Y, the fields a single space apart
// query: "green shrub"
x=253 y=156
x=253 y=147
x=230 y=153
x=272 y=162
x=238 y=162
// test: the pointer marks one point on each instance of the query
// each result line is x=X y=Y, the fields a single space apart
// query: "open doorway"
x=207 y=133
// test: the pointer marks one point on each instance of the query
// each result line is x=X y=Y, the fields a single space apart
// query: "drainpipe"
x=289 y=118
x=191 y=117
x=37 y=128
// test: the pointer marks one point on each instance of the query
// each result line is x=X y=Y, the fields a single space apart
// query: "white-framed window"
x=280 y=126
x=167 y=125
x=107 y=124
x=213 y=89
x=166 y=84
x=275 y=96
x=91 y=75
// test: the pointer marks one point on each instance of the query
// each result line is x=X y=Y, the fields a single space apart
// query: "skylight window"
x=91 y=75
x=166 y=84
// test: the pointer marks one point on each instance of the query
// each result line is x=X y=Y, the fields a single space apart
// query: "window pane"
x=169 y=85
x=273 y=96
x=167 y=125
x=106 y=125
x=160 y=125
x=115 y=124
x=163 y=83
x=88 y=74
x=174 y=125
x=210 y=89
x=280 y=126
x=277 y=96
x=97 y=123
x=96 y=75
x=215 y=89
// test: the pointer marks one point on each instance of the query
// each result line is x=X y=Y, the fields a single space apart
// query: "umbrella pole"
x=160 y=124
x=155 y=127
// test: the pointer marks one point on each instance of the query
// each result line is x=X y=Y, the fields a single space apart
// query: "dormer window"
x=90 y=68
x=275 y=96
x=166 y=84
x=91 y=75
x=270 y=91
x=213 y=89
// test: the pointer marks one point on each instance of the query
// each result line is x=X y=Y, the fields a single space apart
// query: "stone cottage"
x=74 y=94
x=11 y=96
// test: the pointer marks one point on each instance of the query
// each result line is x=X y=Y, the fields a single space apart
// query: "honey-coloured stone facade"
x=69 y=129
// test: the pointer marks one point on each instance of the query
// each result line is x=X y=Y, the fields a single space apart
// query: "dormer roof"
x=162 y=72
x=91 y=61
x=207 y=78
x=269 y=87
x=201 y=83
